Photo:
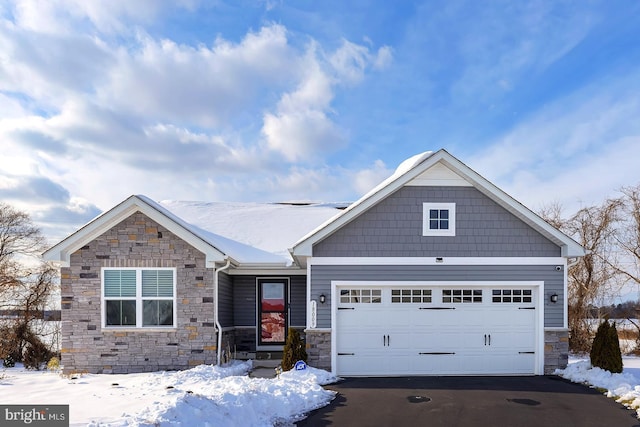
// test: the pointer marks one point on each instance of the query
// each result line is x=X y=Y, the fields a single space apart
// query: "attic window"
x=438 y=219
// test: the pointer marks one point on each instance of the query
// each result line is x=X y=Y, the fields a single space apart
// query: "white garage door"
x=428 y=330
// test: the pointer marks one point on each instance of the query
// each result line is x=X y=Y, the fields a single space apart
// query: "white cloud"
x=350 y=61
x=113 y=16
x=98 y=109
x=366 y=179
x=577 y=151
x=199 y=85
x=301 y=129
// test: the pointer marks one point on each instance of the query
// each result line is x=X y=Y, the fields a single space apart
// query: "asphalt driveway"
x=469 y=401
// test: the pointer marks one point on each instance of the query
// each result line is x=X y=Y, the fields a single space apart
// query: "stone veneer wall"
x=136 y=242
x=556 y=350
x=318 y=348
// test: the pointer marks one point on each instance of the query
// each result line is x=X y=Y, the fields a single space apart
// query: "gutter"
x=215 y=313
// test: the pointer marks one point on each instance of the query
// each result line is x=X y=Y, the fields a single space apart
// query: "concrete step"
x=266 y=363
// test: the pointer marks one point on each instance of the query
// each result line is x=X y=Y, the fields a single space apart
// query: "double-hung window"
x=139 y=297
x=438 y=219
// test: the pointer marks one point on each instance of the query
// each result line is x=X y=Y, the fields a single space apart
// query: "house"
x=435 y=271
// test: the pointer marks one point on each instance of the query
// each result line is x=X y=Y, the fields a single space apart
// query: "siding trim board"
x=559 y=261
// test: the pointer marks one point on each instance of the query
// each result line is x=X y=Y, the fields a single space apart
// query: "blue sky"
x=310 y=100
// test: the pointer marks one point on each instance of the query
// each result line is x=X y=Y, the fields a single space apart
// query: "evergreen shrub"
x=294 y=350
x=605 y=350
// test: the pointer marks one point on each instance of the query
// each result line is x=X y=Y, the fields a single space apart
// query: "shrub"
x=605 y=350
x=53 y=364
x=8 y=362
x=36 y=353
x=9 y=345
x=293 y=350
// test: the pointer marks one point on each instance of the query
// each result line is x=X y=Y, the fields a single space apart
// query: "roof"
x=260 y=234
x=257 y=234
x=454 y=170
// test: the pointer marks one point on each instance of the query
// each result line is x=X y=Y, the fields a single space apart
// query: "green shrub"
x=293 y=350
x=605 y=350
x=53 y=364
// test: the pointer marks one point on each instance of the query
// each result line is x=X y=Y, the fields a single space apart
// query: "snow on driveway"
x=624 y=387
x=203 y=396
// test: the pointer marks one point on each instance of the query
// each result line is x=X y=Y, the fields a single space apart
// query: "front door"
x=273 y=310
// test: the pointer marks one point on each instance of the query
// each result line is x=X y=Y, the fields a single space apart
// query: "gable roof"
x=250 y=234
x=215 y=247
x=410 y=171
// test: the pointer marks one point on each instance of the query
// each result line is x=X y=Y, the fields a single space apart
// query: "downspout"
x=215 y=313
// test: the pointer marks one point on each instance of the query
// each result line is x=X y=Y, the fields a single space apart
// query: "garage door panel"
x=430 y=332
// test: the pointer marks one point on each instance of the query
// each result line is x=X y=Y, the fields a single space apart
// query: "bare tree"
x=628 y=235
x=26 y=284
x=591 y=279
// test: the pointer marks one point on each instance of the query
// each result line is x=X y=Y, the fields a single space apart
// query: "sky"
x=274 y=100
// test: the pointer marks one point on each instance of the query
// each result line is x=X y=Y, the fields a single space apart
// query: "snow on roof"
x=237 y=250
x=250 y=232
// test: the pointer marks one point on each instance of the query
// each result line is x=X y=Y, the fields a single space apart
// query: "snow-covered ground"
x=203 y=396
x=624 y=387
x=213 y=396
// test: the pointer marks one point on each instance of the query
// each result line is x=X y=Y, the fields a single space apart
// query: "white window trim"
x=139 y=299
x=451 y=207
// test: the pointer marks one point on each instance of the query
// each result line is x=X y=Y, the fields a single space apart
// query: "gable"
x=437 y=176
x=393 y=228
x=435 y=169
x=62 y=251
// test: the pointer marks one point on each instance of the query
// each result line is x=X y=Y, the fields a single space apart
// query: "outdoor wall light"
x=322 y=298
x=554 y=298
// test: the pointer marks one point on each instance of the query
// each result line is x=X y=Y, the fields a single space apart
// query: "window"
x=438 y=219
x=458 y=296
x=411 y=296
x=139 y=297
x=361 y=296
x=512 y=295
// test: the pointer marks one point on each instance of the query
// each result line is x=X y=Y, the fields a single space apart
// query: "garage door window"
x=456 y=296
x=361 y=296
x=411 y=296
x=511 y=296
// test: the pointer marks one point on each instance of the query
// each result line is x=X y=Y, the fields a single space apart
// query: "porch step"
x=266 y=363
x=261 y=359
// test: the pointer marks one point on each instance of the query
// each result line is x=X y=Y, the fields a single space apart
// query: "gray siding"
x=244 y=300
x=322 y=275
x=393 y=228
x=225 y=294
x=298 y=301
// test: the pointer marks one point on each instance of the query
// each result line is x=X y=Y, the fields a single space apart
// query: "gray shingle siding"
x=298 y=298
x=393 y=228
x=244 y=300
x=322 y=275
x=225 y=295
